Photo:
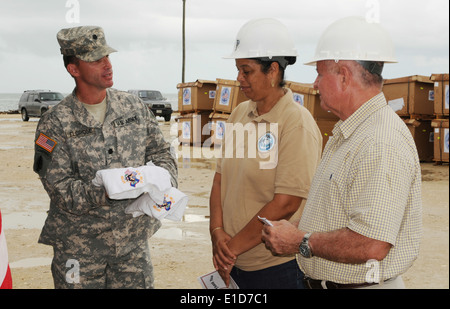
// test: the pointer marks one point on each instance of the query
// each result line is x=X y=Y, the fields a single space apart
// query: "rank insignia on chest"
x=46 y=142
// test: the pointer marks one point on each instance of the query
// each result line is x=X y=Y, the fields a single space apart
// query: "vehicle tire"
x=167 y=117
x=24 y=114
x=43 y=111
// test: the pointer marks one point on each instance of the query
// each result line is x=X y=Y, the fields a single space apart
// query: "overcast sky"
x=147 y=34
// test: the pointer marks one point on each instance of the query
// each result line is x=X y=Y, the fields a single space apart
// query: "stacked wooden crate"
x=195 y=103
x=228 y=96
x=441 y=122
x=412 y=98
x=422 y=102
x=307 y=96
x=204 y=108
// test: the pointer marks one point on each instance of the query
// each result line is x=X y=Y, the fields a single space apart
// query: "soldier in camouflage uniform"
x=96 y=245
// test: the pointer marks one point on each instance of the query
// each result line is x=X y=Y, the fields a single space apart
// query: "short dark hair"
x=266 y=63
x=70 y=60
x=372 y=72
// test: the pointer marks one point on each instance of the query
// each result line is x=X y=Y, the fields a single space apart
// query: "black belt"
x=323 y=284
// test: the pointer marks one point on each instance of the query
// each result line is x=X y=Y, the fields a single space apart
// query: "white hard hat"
x=260 y=38
x=353 y=38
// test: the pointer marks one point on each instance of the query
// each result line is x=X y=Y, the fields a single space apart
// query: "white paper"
x=213 y=281
x=446 y=104
x=396 y=104
x=265 y=221
x=446 y=140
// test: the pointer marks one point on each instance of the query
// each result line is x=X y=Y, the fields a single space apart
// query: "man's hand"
x=283 y=238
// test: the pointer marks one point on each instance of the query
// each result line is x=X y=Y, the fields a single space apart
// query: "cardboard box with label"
x=412 y=95
x=441 y=94
x=196 y=96
x=422 y=132
x=218 y=121
x=306 y=95
x=441 y=139
x=193 y=128
x=228 y=95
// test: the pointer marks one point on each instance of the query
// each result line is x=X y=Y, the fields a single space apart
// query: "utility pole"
x=184 y=41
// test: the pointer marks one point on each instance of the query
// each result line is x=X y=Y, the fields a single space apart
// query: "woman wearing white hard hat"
x=362 y=224
x=273 y=182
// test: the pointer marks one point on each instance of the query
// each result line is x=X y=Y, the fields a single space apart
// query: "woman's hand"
x=223 y=258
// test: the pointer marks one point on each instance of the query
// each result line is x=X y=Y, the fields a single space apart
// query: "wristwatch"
x=304 y=248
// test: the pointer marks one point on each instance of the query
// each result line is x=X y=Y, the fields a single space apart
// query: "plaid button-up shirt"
x=369 y=180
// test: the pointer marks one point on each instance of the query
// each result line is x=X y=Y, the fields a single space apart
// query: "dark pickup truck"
x=155 y=101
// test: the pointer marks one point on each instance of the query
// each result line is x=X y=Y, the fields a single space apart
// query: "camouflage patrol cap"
x=87 y=43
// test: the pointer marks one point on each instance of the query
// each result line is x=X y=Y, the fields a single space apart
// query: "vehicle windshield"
x=51 y=96
x=150 y=95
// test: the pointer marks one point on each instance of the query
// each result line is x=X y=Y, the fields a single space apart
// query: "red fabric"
x=6 y=282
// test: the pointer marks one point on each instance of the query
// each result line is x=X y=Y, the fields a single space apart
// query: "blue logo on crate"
x=187 y=96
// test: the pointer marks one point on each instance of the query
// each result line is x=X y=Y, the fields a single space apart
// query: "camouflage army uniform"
x=83 y=225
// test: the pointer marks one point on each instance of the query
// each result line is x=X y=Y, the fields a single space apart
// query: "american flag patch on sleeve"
x=46 y=142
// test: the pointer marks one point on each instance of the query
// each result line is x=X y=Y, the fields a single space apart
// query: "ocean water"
x=10 y=101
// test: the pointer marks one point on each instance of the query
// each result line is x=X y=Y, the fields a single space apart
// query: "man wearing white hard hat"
x=251 y=186
x=362 y=223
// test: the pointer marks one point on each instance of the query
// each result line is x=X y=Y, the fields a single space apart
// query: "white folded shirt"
x=131 y=182
x=172 y=208
x=157 y=197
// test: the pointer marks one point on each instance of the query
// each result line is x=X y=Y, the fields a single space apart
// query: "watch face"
x=304 y=251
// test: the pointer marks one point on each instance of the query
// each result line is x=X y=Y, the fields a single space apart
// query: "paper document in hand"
x=214 y=281
x=265 y=221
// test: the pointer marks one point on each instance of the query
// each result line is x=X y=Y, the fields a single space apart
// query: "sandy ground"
x=181 y=251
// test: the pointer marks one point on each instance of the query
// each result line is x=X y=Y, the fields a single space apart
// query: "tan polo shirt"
x=277 y=152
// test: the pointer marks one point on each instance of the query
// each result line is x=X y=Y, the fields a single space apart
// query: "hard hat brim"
x=314 y=61
x=354 y=38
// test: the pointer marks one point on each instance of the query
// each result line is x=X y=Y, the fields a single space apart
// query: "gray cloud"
x=147 y=34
